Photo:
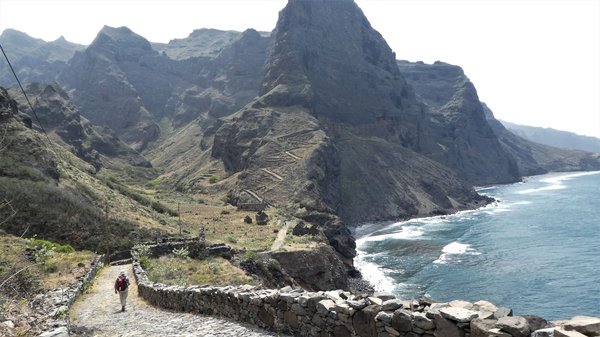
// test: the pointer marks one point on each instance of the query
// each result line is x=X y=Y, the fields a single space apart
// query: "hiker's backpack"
x=122 y=283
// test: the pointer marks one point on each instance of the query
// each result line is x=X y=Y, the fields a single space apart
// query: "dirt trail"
x=98 y=313
x=280 y=240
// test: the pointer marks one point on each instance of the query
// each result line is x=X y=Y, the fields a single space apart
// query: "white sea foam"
x=405 y=233
x=453 y=251
x=556 y=182
x=373 y=273
x=557 y=186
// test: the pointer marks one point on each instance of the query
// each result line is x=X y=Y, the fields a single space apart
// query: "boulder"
x=421 y=321
x=461 y=304
x=384 y=296
x=535 y=322
x=458 y=314
x=481 y=327
x=358 y=304
x=291 y=319
x=375 y=300
x=568 y=333
x=516 y=326
x=502 y=312
x=589 y=326
x=391 y=305
x=402 y=320
x=385 y=317
x=341 y=331
x=549 y=332
x=495 y=332
x=261 y=218
x=445 y=327
x=302 y=229
x=363 y=321
x=484 y=306
x=324 y=306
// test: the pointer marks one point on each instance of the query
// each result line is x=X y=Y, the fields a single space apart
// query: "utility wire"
x=24 y=94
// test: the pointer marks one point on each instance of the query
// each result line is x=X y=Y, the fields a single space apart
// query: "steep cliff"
x=489 y=145
x=336 y=130
x=460 y=136
x=64 y=124
x=121 y=82
x=102 y=89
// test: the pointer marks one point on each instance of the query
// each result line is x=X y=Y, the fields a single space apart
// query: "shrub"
x=145 y=262
x=47 y=245
x=213 y=179
x=214 y=267
x=250 y=256
x=181 y=253
x=230 y=239
x=141 y=250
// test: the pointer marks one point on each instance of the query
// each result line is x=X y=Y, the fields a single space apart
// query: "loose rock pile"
x=342 y=314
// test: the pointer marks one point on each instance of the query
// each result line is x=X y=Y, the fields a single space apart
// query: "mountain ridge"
x=317 y=119
x=555 y=138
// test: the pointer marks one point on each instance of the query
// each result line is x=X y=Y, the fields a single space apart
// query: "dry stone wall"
x=54 y=305
x=342 y=314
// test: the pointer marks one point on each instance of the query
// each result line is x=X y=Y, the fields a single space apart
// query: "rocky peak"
x=200 y=43
x=327 y=57
x=121 y=42
x=13 y=35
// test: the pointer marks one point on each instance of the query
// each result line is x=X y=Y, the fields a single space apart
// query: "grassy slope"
x=56 y=197
x=25 y=277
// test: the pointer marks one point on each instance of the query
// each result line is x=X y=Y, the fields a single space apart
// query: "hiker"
x=121 y=286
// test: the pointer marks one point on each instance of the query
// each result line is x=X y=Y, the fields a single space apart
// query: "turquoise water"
x=536 y=251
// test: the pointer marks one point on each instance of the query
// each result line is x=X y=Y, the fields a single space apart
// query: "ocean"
x=536 y=250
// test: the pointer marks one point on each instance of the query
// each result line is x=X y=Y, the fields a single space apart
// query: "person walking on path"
x=121 y=287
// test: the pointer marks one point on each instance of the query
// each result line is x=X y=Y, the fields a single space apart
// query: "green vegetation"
x=213 y=179
x=63 y=215
x=181 y=253
x=139 y=197
x=172 y=270
x=49 y=265
x=47 y=245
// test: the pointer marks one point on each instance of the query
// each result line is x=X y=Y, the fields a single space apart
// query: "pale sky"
x=534 y=62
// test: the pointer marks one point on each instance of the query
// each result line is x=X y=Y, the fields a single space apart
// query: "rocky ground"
x=98 y=313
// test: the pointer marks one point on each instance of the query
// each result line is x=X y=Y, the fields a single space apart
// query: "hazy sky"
x=534 y=62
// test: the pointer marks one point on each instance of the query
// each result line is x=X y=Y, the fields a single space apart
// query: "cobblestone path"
x=98 y=313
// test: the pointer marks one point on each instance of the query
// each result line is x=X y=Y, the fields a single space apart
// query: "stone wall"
x=342 y=314
x=197 y=248
x=54 y=305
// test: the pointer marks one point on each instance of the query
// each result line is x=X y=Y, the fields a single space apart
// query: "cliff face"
x=328 y=58
x=471 y=140
x=65 y=125
x=121 y=82
x=336 y=129
x=102 y=88
x=460 y=136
